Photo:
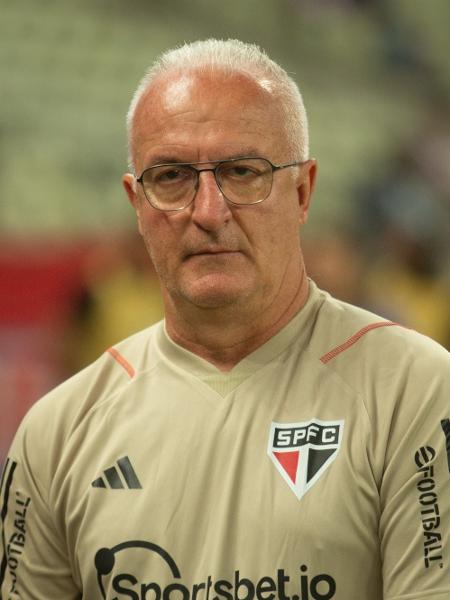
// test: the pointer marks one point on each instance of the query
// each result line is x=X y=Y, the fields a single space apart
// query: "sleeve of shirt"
x=33 y=558
x=415 y=487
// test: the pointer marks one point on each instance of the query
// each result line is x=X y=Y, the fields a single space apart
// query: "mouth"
x=212 y=252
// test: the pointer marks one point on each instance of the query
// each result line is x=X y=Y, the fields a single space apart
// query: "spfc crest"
x=303 y=451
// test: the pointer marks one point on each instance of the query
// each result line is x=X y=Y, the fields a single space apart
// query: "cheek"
x=281 y=228
x=155 y=241
x=162 y=241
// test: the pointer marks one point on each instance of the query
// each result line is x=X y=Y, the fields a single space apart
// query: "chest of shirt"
x=271 y=484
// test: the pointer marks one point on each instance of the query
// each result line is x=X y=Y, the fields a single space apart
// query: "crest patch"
x=302 y=452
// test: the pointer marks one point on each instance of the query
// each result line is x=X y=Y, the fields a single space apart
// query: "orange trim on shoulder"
x=352 y=340
x=122 y=361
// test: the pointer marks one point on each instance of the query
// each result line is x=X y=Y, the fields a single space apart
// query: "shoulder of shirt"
x=63 y=409
x=358 y=343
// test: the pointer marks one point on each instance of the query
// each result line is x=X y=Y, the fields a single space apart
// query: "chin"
x=215 y=299
x=215 y=294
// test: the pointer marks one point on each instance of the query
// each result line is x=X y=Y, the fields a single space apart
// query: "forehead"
x=202 y=113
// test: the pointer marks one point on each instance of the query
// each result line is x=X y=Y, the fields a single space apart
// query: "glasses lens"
x=245 y=181
x=169 y=187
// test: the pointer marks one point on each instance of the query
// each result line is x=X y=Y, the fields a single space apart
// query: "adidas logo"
x=128 y=480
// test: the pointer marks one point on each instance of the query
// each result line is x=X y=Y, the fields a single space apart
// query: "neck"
x=224 y=336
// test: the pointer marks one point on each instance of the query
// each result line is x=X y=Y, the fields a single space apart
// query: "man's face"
x=213 y=254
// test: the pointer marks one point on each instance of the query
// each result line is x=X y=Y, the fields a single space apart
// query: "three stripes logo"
x=123 y=477
x=302 y=452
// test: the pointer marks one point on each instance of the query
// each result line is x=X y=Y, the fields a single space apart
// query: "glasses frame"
x=214 y=170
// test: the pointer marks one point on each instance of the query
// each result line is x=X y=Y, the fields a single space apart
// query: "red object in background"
x=39 y=285
x=38 y=282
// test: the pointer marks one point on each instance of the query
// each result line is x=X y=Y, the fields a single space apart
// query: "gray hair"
x=233 y=56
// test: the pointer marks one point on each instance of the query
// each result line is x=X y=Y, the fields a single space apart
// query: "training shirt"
x=318 y=468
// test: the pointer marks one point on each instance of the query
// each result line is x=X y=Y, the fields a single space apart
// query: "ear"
x=305 y=187
x=129 y=183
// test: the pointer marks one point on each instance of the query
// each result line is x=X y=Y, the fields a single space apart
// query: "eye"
x=240 y=171
x=169 y=175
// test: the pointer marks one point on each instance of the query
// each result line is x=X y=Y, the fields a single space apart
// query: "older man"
x=266 y=441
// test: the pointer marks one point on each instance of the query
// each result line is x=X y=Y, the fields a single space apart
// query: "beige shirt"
x=317 y=469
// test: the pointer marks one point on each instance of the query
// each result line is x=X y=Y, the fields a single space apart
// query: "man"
x=266 y=441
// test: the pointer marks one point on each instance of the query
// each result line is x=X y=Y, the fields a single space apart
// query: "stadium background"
x=74 y=277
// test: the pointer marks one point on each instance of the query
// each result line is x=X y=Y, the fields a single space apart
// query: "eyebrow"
x=162 y=159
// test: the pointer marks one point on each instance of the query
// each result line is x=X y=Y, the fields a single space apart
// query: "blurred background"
x=74 y=277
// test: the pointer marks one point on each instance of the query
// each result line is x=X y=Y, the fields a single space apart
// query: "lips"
x=215 y=252
x=210 y=252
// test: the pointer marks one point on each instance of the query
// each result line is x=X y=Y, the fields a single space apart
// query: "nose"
x=210 y=209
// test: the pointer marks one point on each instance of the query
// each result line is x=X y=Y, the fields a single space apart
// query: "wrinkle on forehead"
x=196 y=96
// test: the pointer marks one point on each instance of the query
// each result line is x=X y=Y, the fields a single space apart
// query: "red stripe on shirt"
x=352 y=340
x=122 y=361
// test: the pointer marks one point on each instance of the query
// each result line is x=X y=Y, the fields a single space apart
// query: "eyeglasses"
x=242 y=181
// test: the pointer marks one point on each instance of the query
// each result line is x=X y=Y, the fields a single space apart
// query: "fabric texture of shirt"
x=318 y=468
